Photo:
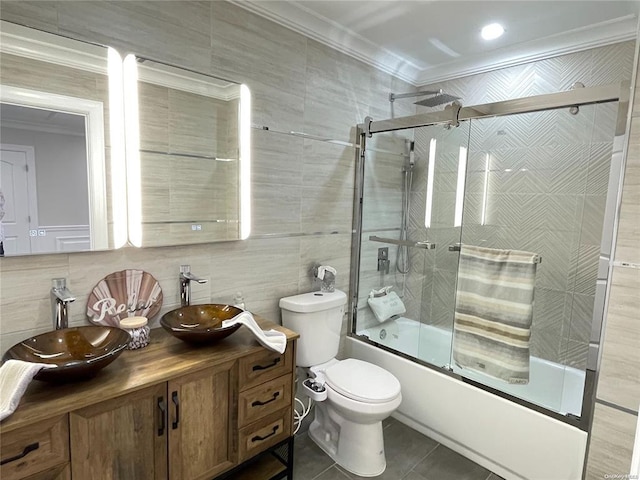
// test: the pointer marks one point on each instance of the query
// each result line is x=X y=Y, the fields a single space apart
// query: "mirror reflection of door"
x=54 y=98
x=17 y=180
x=45 y=151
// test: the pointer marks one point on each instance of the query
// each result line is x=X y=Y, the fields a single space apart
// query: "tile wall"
x=548 y=182
x=302 y=189
x=618 y=389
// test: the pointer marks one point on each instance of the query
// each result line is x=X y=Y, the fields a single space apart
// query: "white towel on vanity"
x=15 y=376
x=271 y=339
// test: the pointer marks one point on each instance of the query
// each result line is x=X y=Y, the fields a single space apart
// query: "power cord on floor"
x=299 y=416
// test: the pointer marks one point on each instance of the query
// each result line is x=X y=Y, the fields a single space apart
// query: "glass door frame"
x=453 y=115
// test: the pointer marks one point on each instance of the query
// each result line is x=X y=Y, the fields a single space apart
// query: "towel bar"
x=456 y=248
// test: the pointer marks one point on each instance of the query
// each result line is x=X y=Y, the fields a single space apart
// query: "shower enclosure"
x=539 y=174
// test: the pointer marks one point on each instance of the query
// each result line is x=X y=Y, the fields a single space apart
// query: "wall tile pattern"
x=612 y=436
x=547 y=189
x=299 y=186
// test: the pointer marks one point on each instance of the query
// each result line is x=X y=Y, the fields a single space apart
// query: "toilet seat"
x=362 y=381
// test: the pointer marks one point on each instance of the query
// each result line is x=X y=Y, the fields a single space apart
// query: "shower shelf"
x=404 y=243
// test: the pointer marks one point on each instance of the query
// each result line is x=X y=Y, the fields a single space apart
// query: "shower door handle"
x=404 y=243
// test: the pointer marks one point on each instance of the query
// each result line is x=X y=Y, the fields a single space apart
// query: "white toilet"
x=359 y=395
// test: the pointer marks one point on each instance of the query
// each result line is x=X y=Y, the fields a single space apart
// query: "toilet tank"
x=317 y=317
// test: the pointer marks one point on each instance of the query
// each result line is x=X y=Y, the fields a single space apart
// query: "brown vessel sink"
x=77 y=352
x=200 y=323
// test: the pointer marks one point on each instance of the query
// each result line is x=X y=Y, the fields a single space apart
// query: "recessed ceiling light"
x=492 y=31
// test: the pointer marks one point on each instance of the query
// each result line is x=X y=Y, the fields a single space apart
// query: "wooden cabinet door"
x=202 y=419
x=121 y=439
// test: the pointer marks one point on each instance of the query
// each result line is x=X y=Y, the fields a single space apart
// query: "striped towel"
x=494 y=309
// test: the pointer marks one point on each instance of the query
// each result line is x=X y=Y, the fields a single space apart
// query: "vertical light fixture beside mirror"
x=188 y=142
x=118 y=151
x=132 y=148
x=245 y=162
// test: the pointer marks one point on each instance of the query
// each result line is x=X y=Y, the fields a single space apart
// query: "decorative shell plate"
x=124 y=294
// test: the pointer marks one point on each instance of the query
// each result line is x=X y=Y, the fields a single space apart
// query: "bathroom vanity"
x=167 y=411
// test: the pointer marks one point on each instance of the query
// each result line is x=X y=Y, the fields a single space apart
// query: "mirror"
x=55 y=145
x=188 y=153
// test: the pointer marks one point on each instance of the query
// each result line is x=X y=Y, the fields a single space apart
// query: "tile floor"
x=410 y=456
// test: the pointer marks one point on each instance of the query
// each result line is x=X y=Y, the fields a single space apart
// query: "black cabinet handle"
x=264 y=367
x=163 y=412
x=27 y=450
x=258 y=403
x=258 y=438
x=176 y=402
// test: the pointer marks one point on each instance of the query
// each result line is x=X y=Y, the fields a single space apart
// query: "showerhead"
x=439 y=99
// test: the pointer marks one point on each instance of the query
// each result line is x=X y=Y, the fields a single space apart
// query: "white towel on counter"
x=271 y=339
x=15 y=376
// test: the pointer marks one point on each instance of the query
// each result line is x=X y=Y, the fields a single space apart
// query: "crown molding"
x=151 y=71
x=594 y=36
x=296 y=17
x=300 y=19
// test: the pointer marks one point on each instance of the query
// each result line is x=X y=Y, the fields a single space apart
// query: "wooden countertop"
x=164 y=358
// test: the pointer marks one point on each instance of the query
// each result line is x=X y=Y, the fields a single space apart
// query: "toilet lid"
x=362 y=381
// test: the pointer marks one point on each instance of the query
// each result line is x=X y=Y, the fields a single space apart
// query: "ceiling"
x=31 y=118
x=427 y=41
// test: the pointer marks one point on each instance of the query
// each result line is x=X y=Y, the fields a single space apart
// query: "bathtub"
x=509 y=439
x=432 y=344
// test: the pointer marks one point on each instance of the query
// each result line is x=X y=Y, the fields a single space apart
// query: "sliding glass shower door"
x=537 y=182
x=533 y=182
x=411 y=228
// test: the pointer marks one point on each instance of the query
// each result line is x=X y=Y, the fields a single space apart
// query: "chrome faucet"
x=61 y=297
x=186 y=277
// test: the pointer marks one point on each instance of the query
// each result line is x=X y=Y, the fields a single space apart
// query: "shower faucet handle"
x=383 y=259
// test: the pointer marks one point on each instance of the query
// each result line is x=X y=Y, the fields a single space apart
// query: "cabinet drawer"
x=264 y=433
x=263 y=366
x=264 y=399
x=34 y=448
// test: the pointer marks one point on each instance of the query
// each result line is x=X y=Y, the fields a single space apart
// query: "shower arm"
x=393 y=96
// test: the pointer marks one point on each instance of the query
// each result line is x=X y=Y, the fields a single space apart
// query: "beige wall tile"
x=332 y=250
x=25 y=283
x=248 y=47
x=47 y=77
x=328 y=165
x=611 y=443
x=275 y=107
x=327 y=209
x=627 y=247
x=636 y=99
x=275 y=208
x=633 y=155
x=276 y=158
x=41 y=15
x=619 y=379
x=178 y=32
